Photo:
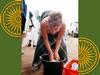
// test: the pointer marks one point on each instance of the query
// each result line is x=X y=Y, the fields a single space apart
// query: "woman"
x=51 y=39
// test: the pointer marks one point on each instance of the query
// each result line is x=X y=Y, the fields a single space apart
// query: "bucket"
x=67 y=68
x=52 y=68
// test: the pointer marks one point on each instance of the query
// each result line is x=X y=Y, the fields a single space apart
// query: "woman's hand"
x=51 y=56
x=56 y=56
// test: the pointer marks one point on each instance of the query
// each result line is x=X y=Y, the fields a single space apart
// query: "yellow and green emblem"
x=88 y=55
x=11 y=18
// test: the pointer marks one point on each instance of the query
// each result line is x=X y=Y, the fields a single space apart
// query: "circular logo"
x=11 y=18
x=88 y=55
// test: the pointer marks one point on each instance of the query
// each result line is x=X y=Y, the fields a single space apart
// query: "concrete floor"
x=27 y=58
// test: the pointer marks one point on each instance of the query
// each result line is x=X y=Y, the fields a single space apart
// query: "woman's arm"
x=58 y=41
x=46 y=41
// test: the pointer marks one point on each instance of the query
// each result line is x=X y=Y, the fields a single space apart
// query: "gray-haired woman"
x=51 y=39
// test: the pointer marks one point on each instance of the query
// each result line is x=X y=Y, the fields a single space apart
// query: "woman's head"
x=55 y=19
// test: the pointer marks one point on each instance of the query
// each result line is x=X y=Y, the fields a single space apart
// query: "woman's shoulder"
x=63 y=24
x=44 y=21
x=44 y=24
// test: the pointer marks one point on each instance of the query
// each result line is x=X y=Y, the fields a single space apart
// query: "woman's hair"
x=55 y=18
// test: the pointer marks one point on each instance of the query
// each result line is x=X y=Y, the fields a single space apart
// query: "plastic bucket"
x=67 y=68
x=52 y=68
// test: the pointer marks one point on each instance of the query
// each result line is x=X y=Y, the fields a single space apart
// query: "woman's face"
x=54 y=29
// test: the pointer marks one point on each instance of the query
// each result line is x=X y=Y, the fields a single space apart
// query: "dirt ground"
x=27 y=58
